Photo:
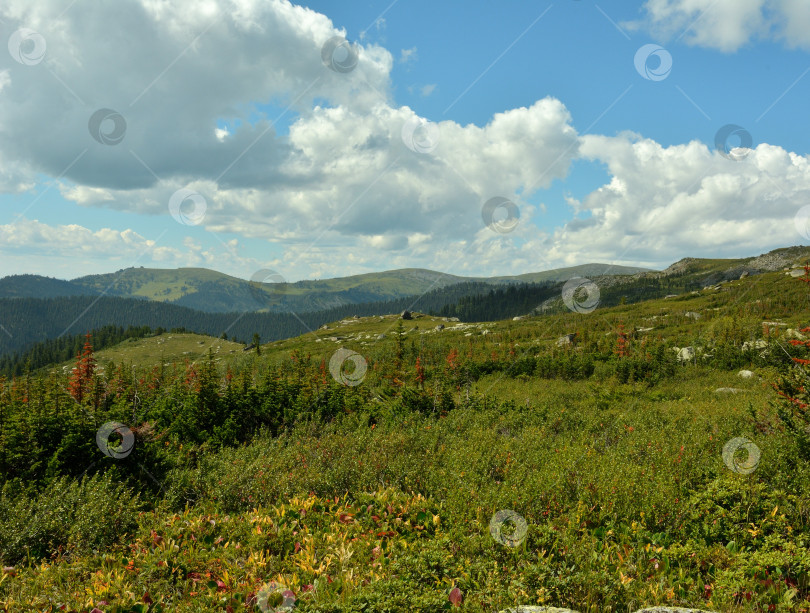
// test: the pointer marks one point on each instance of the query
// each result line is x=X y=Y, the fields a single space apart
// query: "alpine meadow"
x=404 y=306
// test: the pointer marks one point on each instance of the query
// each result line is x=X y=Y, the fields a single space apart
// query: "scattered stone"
x=355 y=317
x=757 y=344
x=745 y=374
x=248 y=348
x=744 y=274
x=406 y=315
x=791 y=333
x=484 y=332
x=692 y=315
x=518 y=318
x=451 y=319
x=670 y=296
x=568 y=339
x=324 y=327
x=686 y=353
x=380 y=337
x=774 y=324
x=797 y=272
x=440 y=327
x=644 y=329
x=728 y=390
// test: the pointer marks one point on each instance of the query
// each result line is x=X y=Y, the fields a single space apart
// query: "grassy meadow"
x=269 y=481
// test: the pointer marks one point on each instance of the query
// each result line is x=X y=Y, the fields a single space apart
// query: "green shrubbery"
x=611 y=451
x=68 y=515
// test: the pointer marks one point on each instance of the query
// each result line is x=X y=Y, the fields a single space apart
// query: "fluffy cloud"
x=71 y=240
x=668 y=201
x=727 y=25
x=352 y=182
x=172 y=71
x=61 y=246
x=352 y=168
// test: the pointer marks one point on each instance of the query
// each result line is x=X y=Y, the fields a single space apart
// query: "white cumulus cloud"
x=727 y=25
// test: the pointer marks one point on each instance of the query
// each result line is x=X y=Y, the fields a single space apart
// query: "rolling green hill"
x=214 y=292
x=308 y=304
x=36 y=286
x=563 y=274
x=690 y=315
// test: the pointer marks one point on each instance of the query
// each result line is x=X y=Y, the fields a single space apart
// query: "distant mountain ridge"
x=214 y=292
x=25 y=321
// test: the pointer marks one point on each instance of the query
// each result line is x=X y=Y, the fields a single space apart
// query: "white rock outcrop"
x=686 y=354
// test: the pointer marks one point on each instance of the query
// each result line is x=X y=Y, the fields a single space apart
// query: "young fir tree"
x=81 y=377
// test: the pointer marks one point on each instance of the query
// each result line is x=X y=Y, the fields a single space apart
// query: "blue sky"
x=610 y=167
